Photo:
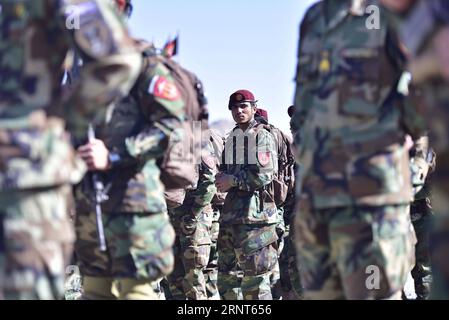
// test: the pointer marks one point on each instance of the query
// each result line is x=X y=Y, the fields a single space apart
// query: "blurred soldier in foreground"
x=425 y=33
x=129 y=141
x=249 y=218
x=37 y=163
x=354 y=175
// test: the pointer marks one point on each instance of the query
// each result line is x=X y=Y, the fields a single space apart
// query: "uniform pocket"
x=358 y=86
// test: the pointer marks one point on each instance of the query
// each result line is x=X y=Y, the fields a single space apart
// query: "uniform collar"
x=252 y=124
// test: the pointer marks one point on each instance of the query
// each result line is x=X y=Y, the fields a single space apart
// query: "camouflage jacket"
x=198 y=200
x=34 y=39
x=250 y=157
x=138 y=130
x=352 y=121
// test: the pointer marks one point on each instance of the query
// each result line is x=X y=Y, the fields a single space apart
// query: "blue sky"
x=231 y=45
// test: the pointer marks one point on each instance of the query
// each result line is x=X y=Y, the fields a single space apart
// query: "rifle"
x=99 y=197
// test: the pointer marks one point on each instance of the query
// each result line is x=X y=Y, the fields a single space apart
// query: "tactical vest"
x=244 y=206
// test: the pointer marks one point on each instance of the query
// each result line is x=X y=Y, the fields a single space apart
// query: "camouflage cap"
x=241 y=96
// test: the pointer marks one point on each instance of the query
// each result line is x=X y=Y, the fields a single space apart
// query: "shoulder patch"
x=264 y=157
x=163 y=88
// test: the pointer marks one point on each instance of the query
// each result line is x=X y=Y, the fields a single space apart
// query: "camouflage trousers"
x=290 y=282
x=36 y=242
x=192 y=251
x=139 y=252
x=422 y=216
x=276 y=289
x=354 y=252
x=254 y=249
x=211 y=270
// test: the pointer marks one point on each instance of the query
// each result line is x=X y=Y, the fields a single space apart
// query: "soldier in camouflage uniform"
x=425 y=32
x=353 y=232
x=280 y=271
x=138 y=232
x=248 y=222
x=37 y=162
x=193 y=224
x=290 y=281
x=211 y=270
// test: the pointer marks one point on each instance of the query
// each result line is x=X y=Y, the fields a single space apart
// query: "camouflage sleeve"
x=111 y=61
x=259 y=172
x=409 y=96
x=163 y=108
x=413 y=114
x=206 y=189
x=301 y=110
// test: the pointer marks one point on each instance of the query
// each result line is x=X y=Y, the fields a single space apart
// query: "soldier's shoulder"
x=313 y=13
x=264 y=132
x=155 y=64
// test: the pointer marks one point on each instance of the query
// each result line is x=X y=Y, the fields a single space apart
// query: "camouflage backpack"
x=179 y=166
x=284 y=180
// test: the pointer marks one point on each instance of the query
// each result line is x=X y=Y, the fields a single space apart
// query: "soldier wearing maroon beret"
x=247 y=237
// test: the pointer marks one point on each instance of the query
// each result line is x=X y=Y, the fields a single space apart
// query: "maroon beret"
x=262 y=113
x=241 y=96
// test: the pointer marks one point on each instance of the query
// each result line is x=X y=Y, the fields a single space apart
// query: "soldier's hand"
x=95 y=155
x=224 y=182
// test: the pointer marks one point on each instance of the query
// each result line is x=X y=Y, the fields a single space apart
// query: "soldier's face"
x=243 y=112
x=398 y=6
